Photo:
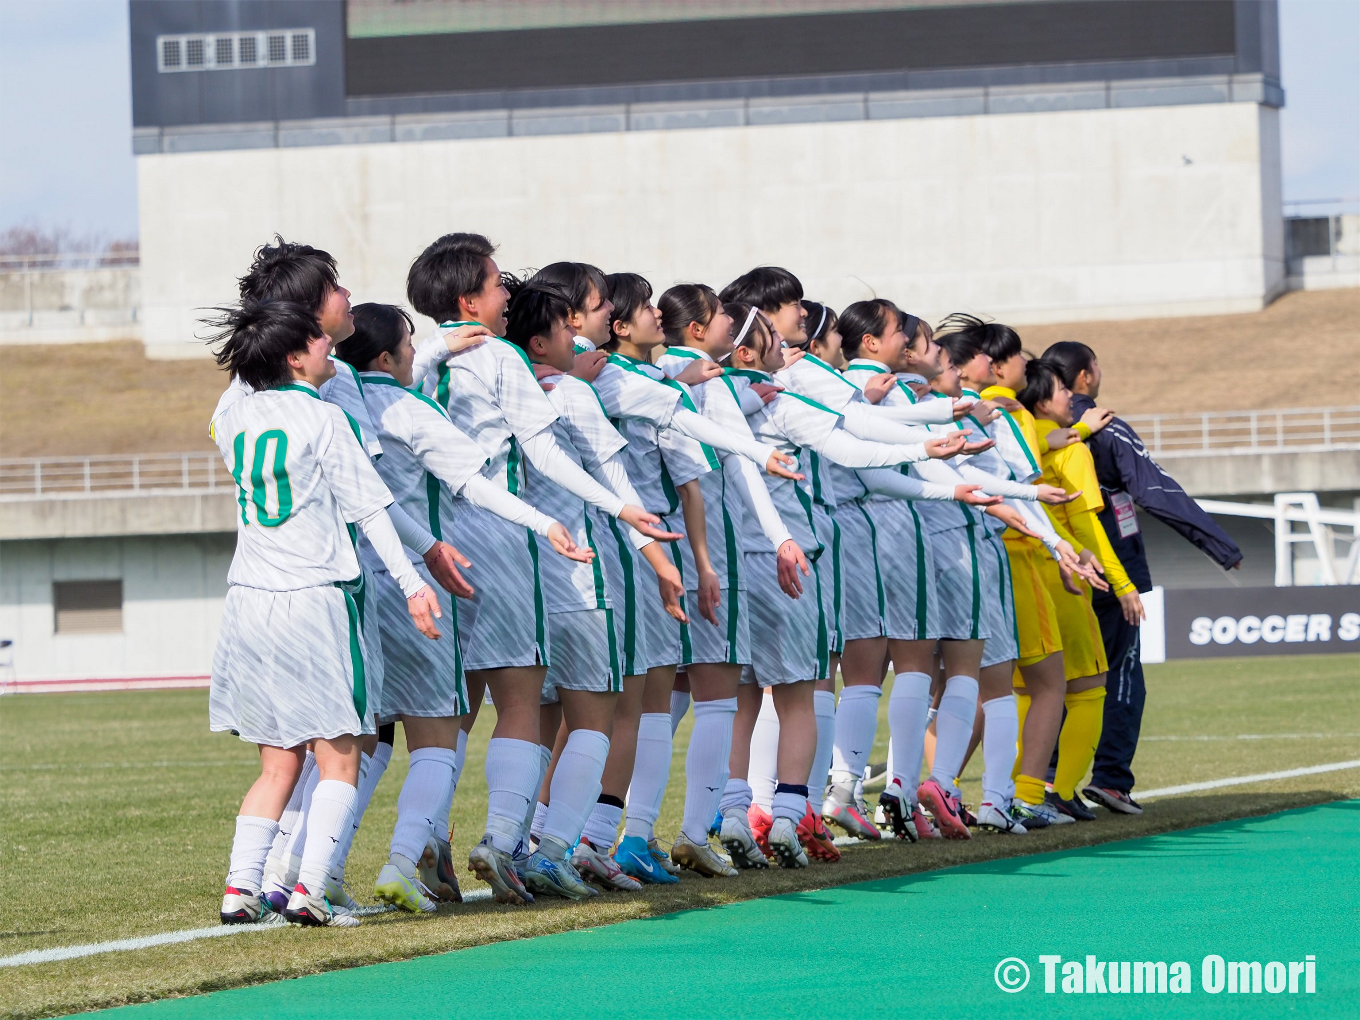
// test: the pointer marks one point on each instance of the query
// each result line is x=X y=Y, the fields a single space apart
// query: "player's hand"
x=1054 y=496
x=542 y=372
x=792 y=355
x=922 y=390
x=443 y=561
x=1132 y=607
x=1007 y=403
x=766 y=391
x=1092 y=570
x=978 y=447
x=974 y=496
x=962 y=407
x=644 y=523
x=946 y=446
x=672 y=590
x=424 y=609
x=781 y=465
x=1067 y=556
x=1068 y=582
x=1011 y=517
x=588 y=364
x=710 y=596
x=466 y=337
x=1096 y=418
x=790 y=560
x=1059 y=438
x=560 y=539
x=986 y=412
x=879 y=387
x=699 y=371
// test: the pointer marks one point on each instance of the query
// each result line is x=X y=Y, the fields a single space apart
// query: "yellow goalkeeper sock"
x=1021 y=709
x=1078 y=739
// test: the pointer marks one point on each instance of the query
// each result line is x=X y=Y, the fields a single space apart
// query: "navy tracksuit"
x=1123 y=464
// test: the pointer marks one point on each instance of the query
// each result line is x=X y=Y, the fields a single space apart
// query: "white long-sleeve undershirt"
x=886 y=482
x=709 y=432
x=484 y=493
x=840 y=447
x=994 y=486
x=614 y=476
x=377 y=528
x=412 y=535
x=870 y=421
x=555 y=464
x=746 y=479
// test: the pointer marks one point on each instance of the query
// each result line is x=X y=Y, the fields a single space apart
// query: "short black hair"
x=821 y=320
x=766 y=287
x=1041 y=381
x=285 y=271
x=994 y=339
x=875 y=317
x=1070 y=358
x=532 y=312
x=960 y=347
x=630 y=294
x=685 y=303
x=377 y=329
x=452 y=267
x=256 y=339
x=574 y=280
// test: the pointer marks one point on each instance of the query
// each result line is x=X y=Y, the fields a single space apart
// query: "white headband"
x=746 y=327
x=820 y=322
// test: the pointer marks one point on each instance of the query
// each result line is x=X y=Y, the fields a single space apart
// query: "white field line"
x=1262 y=777
x=188 y=935
x=1261 y=736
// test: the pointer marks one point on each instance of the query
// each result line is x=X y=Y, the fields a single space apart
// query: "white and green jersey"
x=1011 y=452
x=584 y=433
x=423 y=452
x=490 y=393
x=302 y=479
x=812 y=377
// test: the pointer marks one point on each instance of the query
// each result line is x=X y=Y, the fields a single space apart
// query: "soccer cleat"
x=436 y=871
x=897 y=812
x=701 y=858
x=937 y=802
x=961 y=809
x=850 y=818
x=316 y=911
x=760 y=822
x=594 y=866
x=662 y=858
x=816 y=838
x=337 y=892
x=635 y=859
x=497 y=869
x=993 y=819
x=1073 y=808
x=740 y=844
x=1039 y=816
x=1115 y=800
x=241 y=906
x=404 y=893
x=784 y=842
x=548 y=877
x=715 y=826
x=923 y=827
x=275 y=892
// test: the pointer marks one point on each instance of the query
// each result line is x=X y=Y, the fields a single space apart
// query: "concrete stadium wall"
x=43 y=306
x=173 y=590
x=1038 y=217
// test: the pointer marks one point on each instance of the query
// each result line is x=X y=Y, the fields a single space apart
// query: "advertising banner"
x=1204 y=623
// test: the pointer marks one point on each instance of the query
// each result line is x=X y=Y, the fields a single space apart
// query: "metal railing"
x=45 y=262
x=1286 y=428
x=147 y=473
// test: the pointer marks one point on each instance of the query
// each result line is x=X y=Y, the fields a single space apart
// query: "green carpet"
x=1266 y=889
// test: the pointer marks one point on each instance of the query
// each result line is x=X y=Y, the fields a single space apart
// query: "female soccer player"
x=289 y=665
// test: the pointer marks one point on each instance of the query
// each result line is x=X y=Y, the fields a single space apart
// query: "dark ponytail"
x=875 y=317
x=1041 y=381
x=377 y=329
x=685 y=303
x=1070 y=359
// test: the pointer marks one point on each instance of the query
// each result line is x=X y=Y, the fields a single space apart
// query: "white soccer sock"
x=575 y=785
x=789 y=805
x=422 y=795
x=954 y=728
x=293 y=819
x=763 y=771
x=327 y=822
x=533 y=817
x=602 y=827
x=441 y=820
x=1000 y=736
x=706 y=765
x=856 y=723
x=249 y=848
x=540 y=817
x=342 y=849
x=679 y=706
x=512 y=781
x=737 y=796
x=461 y=757
x=907 y=709
x=299 y=838
x=651 y=774
x=824 y=706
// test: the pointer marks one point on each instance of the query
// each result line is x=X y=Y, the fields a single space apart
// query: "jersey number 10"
x=255 y=486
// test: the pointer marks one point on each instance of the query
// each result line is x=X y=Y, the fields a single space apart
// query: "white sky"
x=66 y=111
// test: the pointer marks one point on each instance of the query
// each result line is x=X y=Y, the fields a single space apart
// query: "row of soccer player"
x=725 y=499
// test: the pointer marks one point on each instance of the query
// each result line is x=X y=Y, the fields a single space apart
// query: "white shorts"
x=830 y=591
x=585 y=653
x=863 y=605
x=911 y=610
x=668 y=640
x=958 y=583
x=647 y=635
x=998 y=602
x=364 y=592
x=785 y=638
x=728 y=642
x=504 y=623
x=289 y=667
x=424 y=677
